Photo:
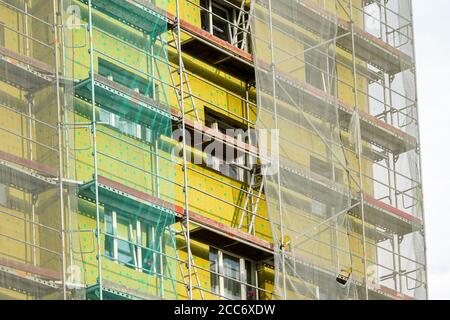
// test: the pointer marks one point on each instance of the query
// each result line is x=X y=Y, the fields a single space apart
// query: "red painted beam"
x=39 y=167
x=36 y=64
x=43 y=273
x=395 y=211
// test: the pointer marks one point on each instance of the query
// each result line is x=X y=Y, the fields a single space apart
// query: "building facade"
x=209 y=149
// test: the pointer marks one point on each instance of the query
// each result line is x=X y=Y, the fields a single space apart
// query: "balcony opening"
x=231 y=166
x=225 y=22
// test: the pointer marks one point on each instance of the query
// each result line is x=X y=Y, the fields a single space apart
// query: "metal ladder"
x=173 y=43
x=242 y=27
x=251 y=203
x=183 y=263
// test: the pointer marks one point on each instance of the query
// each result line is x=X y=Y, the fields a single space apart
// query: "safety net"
x=338 y=135
x=118 y=121
x=89 y=194
x=32 y=205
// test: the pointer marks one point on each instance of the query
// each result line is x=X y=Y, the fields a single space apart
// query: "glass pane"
x=109 y=239
x=2 y=34
x=316 y=66
x=205 y=15
x=231 y=269
x=125 y=125
x=124 y=247
x=251 y=291
x=3 y=194
x=220 y=23
x=125 y=253
x=105 y=116
x=148 y=256
x=214 y=268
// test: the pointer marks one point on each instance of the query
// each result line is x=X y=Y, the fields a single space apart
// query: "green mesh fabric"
x=127 y=94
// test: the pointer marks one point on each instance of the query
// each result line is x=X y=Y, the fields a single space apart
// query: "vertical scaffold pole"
x=60 y=150
x=94 y=153
x=183 y=128
x=66 y=131
x=359 y=153
x=30 y=138
x=422 y=207
x=280 y=207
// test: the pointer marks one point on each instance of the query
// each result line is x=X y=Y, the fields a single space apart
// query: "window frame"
x=230 y=18
x=122 y=124
x=227 y=20
x=319 y=64
x=218 y=276
x=234 y=170
x=135 y=232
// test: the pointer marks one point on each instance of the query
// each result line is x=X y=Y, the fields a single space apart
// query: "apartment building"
x=209 y=149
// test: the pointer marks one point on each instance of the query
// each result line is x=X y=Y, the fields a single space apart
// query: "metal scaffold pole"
x=66 y=131
x=30 y=136
x=280 y=207
x=419 y=158
x=358 y=147
x=60 y=149
x=94 y=154
x=184 y=167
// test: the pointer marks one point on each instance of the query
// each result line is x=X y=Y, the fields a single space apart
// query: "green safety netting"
x=135 y=179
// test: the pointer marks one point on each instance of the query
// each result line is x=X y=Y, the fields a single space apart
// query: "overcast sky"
x=432 y=28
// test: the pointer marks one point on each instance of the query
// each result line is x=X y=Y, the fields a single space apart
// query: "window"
x=133 y=243
x=221 y=27
x=2 y=34
x=318 y=208
x=125 y=252
x=225 y=22
x=220 y=123
x=326 y=169
x=132 y=81
x=231 y=276
x=219 y=22
x=3 y=195
x=124 y=77
x=317 y=72
x=126 y=126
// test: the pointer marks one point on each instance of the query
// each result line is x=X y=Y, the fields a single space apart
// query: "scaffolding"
x=113 y=196
x=360 y=86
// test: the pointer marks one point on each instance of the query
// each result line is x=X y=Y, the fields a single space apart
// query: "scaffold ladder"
x=242 y=27
x=182 y=263
x=251 y=203
x=173 y=43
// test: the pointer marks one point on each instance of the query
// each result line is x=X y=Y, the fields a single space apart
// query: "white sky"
x=432 y=28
